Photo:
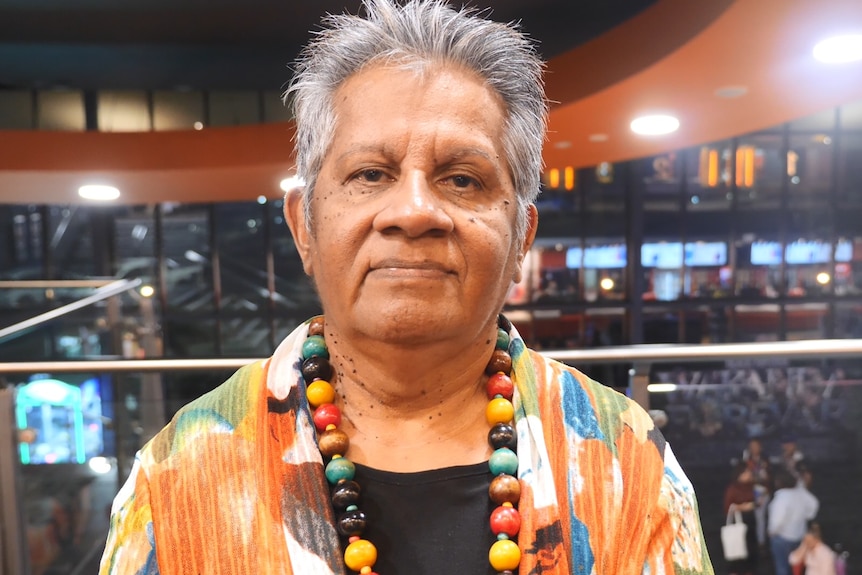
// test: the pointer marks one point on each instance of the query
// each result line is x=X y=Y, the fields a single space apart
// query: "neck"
x=412 y=408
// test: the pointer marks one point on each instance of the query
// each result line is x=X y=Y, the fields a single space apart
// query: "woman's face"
x=414 y=209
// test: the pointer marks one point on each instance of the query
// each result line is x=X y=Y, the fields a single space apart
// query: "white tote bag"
x=733 y=536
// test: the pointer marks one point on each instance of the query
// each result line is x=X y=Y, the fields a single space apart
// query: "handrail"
x=649 y=353
x=104 y=292
x=51 y=284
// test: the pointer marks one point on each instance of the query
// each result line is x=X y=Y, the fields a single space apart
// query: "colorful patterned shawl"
x=235 y=485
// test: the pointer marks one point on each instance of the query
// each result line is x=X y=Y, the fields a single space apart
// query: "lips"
x=407 y=266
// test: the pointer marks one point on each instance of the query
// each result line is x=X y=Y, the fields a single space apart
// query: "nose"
x=414 y=208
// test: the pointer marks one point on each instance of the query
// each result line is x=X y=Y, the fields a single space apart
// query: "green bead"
x=351 y=508
x=501 y=536
x=503 y=460
x=339 y=468
x=314 y=345
x=502 y=339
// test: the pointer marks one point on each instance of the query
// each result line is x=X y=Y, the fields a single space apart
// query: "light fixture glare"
x=839 y=49
x=291 y=183
x=655 y=125
x=98 y=192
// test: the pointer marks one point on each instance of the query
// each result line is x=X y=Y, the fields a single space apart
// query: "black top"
x=428 y=522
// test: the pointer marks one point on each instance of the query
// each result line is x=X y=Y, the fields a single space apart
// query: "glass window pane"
x=557 y=264
x=809 y=167
x=234 y=108
x=657 y=181
x=760 y=168
x=16 y=110
x=850 y=170
x=188 y=259
x=274 y=109
x=604 y=270
x=123 y=111
x=851 y=116
x=708 y=271
x=604 y=188
x=758 y=266
x=61 y=110
x=708 y=179
x=177 y=110
x=295 y=295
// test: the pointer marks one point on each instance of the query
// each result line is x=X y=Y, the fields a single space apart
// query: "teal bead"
x=503 y=460
x=502 y=339
x=338 y=469
x=351 y=508
x=501 y=536
x=314 y=345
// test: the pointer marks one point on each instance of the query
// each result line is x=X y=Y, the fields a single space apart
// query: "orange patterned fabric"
x=234 y=485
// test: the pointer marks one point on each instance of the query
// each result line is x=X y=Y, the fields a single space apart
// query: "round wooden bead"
x=503 y=435
x=502 y=339
x=360 y=553
x=499 y=410
x=352 y=523
x=316 y=325
x=500 y=384
x=505 y=489
x=339 y=468
x=316 y=367
x=504 y=323
x=505 y=520
x=503 y=460
x=504 y=555
x=345 y=493
x=326 y=414
x=314 y=346
x=500 y=361
x=333 y=442
x=319 y=392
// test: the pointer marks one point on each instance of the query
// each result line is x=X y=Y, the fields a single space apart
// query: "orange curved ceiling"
x=672 y=57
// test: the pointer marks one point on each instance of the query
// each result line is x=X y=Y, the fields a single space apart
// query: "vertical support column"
x=639 y=384
x=634 y=327
x=14 y=553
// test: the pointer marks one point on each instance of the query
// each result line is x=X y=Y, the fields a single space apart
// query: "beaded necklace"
x=360 y=554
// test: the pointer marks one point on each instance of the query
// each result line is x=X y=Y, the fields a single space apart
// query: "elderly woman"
x=409 y=430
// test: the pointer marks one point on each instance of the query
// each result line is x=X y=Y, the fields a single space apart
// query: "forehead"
x=391 y=98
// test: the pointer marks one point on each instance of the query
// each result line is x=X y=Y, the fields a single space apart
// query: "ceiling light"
x=564 y=145
x=655 y=125
x=98 y=192
x=730 y=92
x=598 y=138
x=839 y=49
x=291 y=183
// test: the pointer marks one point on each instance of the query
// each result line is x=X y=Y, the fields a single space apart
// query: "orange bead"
x=499 y=410
x=333 y=442
x=316 y=325
x=319 y=392
x=360 y=554
x=504 y=554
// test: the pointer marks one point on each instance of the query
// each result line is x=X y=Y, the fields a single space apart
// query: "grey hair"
x=416 y=33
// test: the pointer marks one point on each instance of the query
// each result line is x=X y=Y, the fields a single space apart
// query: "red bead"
x=505 y=520
x=326 y=414
x=500 y=384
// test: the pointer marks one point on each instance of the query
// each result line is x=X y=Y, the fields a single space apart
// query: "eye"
x=370 y=175
x=462 y=182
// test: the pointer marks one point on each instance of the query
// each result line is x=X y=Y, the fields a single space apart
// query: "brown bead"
x=333 y=442
x=500 y=362
x=505 y=488
x=315 y=326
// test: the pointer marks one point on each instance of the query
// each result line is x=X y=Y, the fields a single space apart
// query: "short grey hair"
x=421 y=32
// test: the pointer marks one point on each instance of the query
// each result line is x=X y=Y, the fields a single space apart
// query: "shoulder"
x=219 y=411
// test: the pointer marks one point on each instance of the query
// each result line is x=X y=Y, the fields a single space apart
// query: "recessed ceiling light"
x=839 y=49
x=98 y=192
x=655 y=125
x=730 y=92
x=290 y=183
x=598 y=137
x=564 y=145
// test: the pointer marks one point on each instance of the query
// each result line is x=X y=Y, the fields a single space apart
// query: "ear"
x=532 y=226
x=294 y=215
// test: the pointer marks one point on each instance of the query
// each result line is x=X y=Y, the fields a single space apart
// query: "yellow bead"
x=504 y=555
x=360 y=554
x=499 y=410
x=319 y=392
x=365 y=570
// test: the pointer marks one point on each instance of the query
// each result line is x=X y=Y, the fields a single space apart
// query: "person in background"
x=758 y=464
x=790 y=456
x=740 y=496
x=813 y=554
x=790 y=510
x=409 y=429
